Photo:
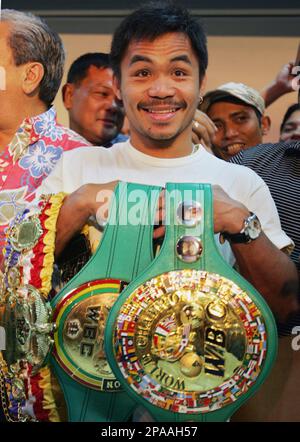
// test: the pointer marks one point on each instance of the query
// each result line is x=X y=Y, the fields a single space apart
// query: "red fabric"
x=38 y=250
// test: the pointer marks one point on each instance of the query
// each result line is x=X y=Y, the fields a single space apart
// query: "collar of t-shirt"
x=163 y=162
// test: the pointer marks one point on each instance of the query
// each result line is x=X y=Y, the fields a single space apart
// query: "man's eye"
x=101 y=94
x=142 y=73
x=242 y=119
x=218 y=125
x=179 y=73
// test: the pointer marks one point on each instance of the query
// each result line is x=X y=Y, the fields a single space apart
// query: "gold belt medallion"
x=190 y=341
x=80 y=318
x=26 y=319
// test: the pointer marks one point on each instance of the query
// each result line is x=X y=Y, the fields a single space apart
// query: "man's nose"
x=231 y=131
x=111 y=104
x=161 y=87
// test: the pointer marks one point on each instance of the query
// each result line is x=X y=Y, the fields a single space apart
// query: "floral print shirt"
x=28 y=159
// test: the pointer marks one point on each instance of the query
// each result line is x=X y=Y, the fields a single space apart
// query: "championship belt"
x=25 y=317
x=80 y=310
x=189 y=338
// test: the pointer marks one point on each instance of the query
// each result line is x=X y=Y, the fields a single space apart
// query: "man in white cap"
x=237 y=111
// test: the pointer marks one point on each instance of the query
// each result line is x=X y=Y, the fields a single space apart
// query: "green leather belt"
x=189 y=338
x=80 y=310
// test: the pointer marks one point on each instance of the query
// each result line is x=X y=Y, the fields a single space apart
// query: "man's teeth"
x=235 y=148
x=166 y=111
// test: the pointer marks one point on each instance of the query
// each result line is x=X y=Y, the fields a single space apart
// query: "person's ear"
x=67 y=95
x=265 y=124
x=117 y=87
x=33 y=74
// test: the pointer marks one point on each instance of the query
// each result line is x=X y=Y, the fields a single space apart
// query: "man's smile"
x=161 y=112
x=234 y=148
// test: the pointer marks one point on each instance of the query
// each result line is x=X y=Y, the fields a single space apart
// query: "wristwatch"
x=250 y=231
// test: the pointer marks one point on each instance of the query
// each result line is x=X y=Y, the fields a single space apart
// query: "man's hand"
x=203 y=129
x=229 y=214
x=78 y=207
x=282 y=84
x=284 y=78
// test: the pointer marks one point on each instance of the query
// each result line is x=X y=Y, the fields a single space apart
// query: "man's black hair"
x=236 y=100
x=153 y=20
x=79 y=67
x=289 y=112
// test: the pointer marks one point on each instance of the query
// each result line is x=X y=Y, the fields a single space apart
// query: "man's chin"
x=104 y=138
x=161 y=136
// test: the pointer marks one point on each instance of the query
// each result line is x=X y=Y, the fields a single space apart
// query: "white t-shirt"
x=123 y=162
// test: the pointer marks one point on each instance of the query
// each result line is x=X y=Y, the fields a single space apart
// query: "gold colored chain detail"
x=4 y=402
x=3 y=398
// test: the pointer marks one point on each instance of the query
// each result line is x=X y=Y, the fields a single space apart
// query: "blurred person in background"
x=94 y=111
x=290 y=126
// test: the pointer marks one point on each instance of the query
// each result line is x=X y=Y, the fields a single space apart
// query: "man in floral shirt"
x=31 y=142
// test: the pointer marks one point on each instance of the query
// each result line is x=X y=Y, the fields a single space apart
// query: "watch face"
x=190 y=341
x=253 y=229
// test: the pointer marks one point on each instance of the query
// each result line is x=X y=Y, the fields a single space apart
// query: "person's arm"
x=282 y=84
x=266 y=267
x=272 y=273
x=78 y=207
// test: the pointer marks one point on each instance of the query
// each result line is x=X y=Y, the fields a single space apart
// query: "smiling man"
x=159 y=73
x=237 y=111
x=88 y=96
x=156 y=106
